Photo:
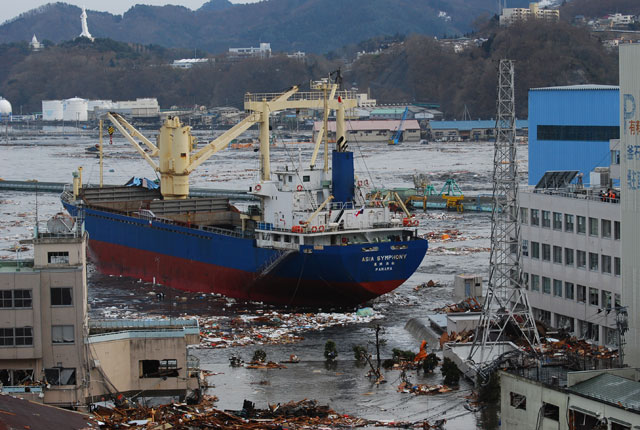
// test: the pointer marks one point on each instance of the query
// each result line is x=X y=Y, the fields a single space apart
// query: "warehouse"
x=570 y=128
x=374 y=131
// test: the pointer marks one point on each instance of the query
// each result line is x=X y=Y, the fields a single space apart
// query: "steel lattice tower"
x=506 y=308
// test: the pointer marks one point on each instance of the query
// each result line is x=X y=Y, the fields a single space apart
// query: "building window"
x=593 y=296
x=616 y=266
x=593 y=226
x=593 y=261
x=568 y=223
x=535 y=217
x=158 y=368
x=60 y=257
x=60 y=376
x=6 y=336
x=525 y=280
x=581 y=259
x=546 y=252
x=582 y=294
x=583 y=133
x=535 y=282
x=550 y=411
x=606 y=228
x=582 y=224
x=535 y=250
x=557 y=221
x=524 y=215
x=24 y=336
x=525 y=248
x=616 y=230
x=557 y=254
x=606 y=263
x=21 y=298
x=16 y=376
x=61 y=297
x=546 y=285
x=557 y=288
x=518 y=401
x=568 y=256
x=546 y=219
x=62 y=334
x=565 y=323
x=606 y=299
x=15 y=298
x=20 y=336
x=568 y=290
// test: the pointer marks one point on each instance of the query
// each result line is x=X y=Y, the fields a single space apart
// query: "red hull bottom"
x=194 y=276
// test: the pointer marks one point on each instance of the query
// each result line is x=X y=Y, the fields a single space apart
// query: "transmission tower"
x=506 y=309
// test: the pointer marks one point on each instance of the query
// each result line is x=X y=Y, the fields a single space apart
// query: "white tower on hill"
x=85 y=27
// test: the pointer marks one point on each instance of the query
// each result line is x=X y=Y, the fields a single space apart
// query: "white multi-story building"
x=262 y=51
x=519 y=14
x=571 y=258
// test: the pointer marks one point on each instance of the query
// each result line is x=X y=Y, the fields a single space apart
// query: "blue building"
x=570 y=128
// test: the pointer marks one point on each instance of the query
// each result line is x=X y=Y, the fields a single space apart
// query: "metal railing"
x=586 y=194
x=300 y=95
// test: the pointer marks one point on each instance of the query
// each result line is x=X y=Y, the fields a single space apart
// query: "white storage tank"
x=5 y=107
x=52 y=110
x=75 y=109
x=100 y=104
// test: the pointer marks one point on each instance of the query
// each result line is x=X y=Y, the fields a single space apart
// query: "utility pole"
x=506 y=303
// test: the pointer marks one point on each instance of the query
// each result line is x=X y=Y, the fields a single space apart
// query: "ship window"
x=306 y=178
x=370 y=249
x=61 y=257
x=61 y=297
x=290 y=178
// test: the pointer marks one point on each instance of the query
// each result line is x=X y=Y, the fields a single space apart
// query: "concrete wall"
x=536 y=393
x=609 y=282
x=629 y=181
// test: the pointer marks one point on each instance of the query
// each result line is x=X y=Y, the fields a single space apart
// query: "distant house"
x=374 y=131
x=468 y=130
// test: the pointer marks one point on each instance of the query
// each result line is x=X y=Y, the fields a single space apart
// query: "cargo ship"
x=314 y=238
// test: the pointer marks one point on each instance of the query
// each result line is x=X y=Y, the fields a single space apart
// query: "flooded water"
x=344 y=387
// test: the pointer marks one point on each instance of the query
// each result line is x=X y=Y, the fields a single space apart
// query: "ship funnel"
x=342 y=176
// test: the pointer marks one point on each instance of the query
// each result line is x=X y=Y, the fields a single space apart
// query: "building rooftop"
x=585 y=87
x=612 y=389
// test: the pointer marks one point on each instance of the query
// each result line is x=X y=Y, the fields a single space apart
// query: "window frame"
x=569 y=225
x=61 y=297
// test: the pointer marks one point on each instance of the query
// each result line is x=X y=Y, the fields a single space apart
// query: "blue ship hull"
x=219 y=261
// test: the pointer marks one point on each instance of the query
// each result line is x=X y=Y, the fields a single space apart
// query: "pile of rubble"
x=464 y=250
x=579 y=348
x=470 y=304
x=422 y=389
x=462 y=337
x=272 y=328
x=304 y=414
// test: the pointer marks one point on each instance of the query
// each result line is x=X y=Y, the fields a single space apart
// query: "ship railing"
x=268 y=227
x=300 y=95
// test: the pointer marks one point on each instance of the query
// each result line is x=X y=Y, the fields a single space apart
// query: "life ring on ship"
x=321 y=228
x=359 y=183
x=258 y=187
x=314 y=229
x=299 y=188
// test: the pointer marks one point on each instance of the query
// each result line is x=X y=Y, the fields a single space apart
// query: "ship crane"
x=176 y=149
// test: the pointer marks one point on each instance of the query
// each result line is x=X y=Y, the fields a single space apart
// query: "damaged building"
x=51 y=352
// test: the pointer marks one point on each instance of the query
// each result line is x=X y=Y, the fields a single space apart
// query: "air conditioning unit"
x=95 y=364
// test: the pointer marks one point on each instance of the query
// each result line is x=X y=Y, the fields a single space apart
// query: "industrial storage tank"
x=75 y=109
x=52 y=110
x=5 y=107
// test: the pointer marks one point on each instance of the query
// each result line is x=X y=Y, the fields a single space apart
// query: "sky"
x=10 y=8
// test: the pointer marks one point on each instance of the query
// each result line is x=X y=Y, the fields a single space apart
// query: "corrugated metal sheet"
x=596 y=107
x=586 y=87
x=612 y=389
